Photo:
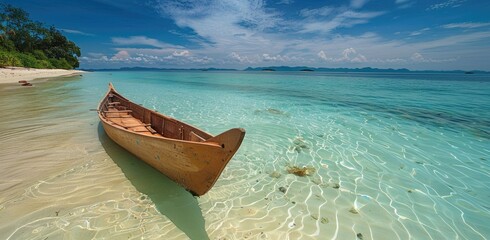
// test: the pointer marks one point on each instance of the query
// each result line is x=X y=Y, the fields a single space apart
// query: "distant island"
x=352 y=70
x=295 y=69
x=159 y=69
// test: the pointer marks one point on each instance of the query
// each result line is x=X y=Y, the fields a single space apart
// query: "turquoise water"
x=395 y=156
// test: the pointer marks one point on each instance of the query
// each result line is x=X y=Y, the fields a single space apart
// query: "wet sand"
x=58 y=181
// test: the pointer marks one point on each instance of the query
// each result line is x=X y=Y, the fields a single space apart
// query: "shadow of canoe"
x=170 y=199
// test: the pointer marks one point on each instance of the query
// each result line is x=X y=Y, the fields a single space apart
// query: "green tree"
x=57 y=46
x=38 y=45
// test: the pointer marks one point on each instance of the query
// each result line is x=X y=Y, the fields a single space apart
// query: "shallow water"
x=395 y=157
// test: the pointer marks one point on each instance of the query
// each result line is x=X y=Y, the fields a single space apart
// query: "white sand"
x=15 y=74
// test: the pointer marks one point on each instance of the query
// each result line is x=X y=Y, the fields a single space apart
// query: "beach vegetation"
x=9 y=59
x=26 y=43
x=27 y=60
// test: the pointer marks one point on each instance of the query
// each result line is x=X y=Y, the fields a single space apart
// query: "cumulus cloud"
x=242 y=59
x=350 y=54
x=121 y=55
x=322 y=55
x=183 y=53
x=156 y=53
x=275 y=58
x=347 y=55
x=417 y=57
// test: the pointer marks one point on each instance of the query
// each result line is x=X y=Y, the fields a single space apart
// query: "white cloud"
x=226 y=25
x=402 y=4
x=350 y=54
x=142 y=40
x=325 y=20
x=223 y=13
x=389 y=60
x=183 y=53
x=157 y=52
x=322 y=55
x=121 y=55
x=347 y=55
x=358 y=3
x=417 y=57
x=75 y=32
x=242 y=59
x=466 y=25
x=419 y=32
x=95 y=55
x=287 y=2
x=446 y=4
x=454 y=40
x=276 y=58
x=323 y=11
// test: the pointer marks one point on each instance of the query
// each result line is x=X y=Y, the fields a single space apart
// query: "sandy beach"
x=15 y=74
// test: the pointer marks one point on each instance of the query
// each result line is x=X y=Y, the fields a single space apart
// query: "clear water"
x=394 y=157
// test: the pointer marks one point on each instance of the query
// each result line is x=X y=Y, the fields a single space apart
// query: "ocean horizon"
x=389 y=156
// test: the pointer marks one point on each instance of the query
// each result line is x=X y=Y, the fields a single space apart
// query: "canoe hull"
x=194 y=165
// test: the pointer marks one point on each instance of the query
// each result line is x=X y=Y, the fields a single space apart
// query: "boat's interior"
x=133 y=117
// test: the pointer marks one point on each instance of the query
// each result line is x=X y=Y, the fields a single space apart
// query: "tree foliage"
x=26 y=43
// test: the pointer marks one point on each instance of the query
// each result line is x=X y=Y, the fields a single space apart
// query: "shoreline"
x=11 y=75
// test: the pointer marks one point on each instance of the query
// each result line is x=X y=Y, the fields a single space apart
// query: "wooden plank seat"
x=151 y=129
x=123 y=116
x=118 y=111
x=137 y=125
x=194 y=137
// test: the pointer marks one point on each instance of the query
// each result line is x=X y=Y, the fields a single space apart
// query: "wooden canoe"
x=186 y=154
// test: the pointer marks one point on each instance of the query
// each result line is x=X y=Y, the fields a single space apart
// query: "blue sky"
x=418 y=35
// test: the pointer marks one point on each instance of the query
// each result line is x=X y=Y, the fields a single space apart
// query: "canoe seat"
x=118 y=111
x=195 y=138
x=136 y=125
x=114 y=103
x=139 y=129
x=124 y=116
x=151 y=129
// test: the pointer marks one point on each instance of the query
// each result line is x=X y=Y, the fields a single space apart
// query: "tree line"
x=27 y=43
